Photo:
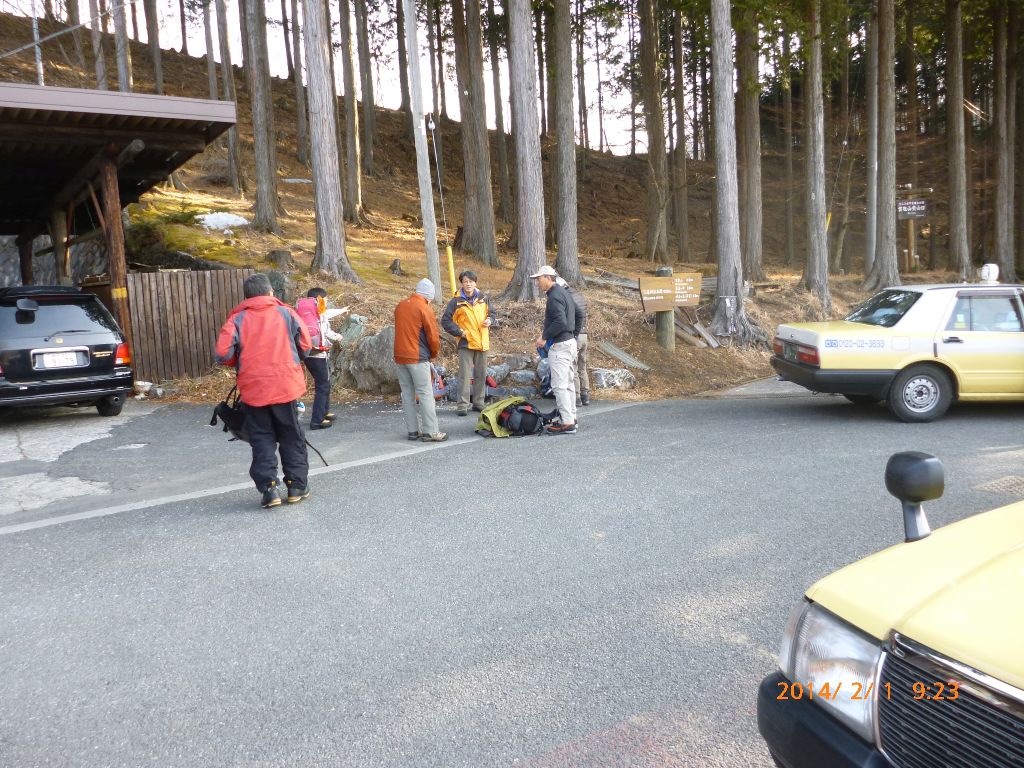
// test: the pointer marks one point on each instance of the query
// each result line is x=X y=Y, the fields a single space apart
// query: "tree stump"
x=281 y=259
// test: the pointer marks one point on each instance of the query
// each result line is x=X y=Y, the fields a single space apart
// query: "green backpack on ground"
x=488 y=424
x=511 y=417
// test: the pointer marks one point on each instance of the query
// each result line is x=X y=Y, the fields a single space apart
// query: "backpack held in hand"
x=511 y=417
x=309 y=310
x=229 y=411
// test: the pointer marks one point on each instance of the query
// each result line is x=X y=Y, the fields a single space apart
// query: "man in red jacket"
x=265 y=340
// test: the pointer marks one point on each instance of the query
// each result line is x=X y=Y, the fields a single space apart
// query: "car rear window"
x=55 y=316
x=885 y=308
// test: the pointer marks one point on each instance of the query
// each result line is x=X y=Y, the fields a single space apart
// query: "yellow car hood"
x=958 y=591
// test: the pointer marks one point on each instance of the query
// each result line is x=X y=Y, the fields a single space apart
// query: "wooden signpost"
x=662 y=294
x=658 y=294
x=909 y=209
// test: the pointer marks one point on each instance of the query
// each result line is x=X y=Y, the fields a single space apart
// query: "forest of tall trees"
x=846 y=105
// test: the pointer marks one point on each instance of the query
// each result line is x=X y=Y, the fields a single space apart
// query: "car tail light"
x=777 y=346
x=807 y=355
x=123 y=356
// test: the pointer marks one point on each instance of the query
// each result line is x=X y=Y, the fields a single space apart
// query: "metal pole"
x=910 y=245
x=35 y=39
x=422 y=157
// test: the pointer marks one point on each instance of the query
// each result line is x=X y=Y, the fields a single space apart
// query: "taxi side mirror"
x=914 y=477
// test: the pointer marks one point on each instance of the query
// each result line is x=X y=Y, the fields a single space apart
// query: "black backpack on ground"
x=522 y=419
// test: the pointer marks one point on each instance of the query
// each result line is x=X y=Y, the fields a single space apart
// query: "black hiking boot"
x=297 y=492
x=270 y=496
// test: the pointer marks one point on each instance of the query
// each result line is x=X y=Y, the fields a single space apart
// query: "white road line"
x=149 y=503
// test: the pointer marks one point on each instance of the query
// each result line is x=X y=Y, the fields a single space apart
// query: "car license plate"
x=60 y=359
x=789 y=352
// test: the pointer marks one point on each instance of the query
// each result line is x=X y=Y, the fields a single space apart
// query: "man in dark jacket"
x=559 y=337
x=265 y=340
x=582 y=377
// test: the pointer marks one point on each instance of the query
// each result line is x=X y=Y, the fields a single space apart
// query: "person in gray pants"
x=417 y=342
x=558 y=337
x=582 y=377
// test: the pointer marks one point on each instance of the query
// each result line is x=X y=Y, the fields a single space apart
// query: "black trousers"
x=317 y=367
x=273 y=429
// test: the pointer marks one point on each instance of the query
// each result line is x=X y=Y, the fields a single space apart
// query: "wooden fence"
x=176 y=317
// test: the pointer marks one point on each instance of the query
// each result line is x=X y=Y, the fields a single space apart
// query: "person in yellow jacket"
x=468 y=318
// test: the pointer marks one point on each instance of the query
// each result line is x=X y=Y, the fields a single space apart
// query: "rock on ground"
x=373 y=363
x=498 y=372
x=522 y=378
x=612 y=378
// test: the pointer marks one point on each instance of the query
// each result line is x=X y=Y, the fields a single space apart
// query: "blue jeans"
x=317 y=367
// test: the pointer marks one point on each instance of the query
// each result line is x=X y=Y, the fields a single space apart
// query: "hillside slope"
x=611 y=226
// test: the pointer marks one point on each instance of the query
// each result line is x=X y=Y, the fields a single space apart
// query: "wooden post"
x=25 y=257
x=116 y=264
x=59 y=238
x=664 y=322
x=910 y=245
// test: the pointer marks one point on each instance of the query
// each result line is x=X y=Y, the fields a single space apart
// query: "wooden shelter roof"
x=51 y=141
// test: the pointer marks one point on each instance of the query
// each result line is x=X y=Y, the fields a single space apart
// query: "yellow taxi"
x=917 y=347
x=913 y=656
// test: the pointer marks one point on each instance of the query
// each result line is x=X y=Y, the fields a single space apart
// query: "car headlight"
x=833 y=664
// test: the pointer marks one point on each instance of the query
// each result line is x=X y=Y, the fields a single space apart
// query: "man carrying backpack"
x=313 y=311
x=265 y=341
x=559 y=338
x=417 y=342
x=468 y=318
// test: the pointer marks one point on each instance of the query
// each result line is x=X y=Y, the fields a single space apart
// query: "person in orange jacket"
x=265 y=340
x=417 y=342
x=468 y=318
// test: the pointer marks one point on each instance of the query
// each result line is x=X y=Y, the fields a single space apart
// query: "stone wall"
x=86 y=259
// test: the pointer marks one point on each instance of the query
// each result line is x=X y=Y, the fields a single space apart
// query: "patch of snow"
x=45 y=439
x=297 y=181
x=38 y=489
x=221 y=220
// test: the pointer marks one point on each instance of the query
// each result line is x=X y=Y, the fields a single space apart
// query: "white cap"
x=546 y=270
x=425 y=288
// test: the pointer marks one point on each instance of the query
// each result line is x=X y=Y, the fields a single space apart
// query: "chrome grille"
x=982 y=728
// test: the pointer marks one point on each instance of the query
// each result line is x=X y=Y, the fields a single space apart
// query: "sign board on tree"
x=658 y=294
x=663 y=294
x=687 y=289
x=911 y=209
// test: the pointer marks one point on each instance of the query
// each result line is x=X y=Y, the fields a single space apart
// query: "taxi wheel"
x=920 y=393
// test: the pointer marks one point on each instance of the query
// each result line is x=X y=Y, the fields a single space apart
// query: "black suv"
x=60 y=346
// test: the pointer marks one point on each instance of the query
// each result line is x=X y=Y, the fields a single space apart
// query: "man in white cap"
x=558 y=337
x=417 y=342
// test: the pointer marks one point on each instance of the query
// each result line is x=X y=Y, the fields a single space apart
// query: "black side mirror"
x=914 y=477
x=27 y=305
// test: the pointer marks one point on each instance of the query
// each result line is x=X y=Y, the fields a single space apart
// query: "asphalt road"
x=611 y=598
